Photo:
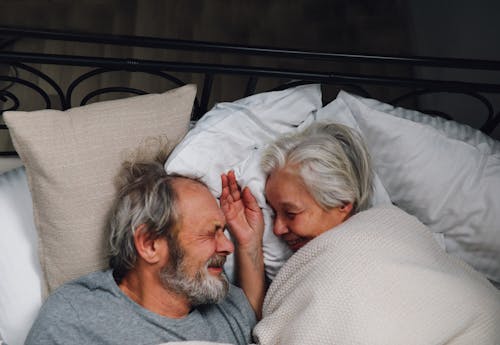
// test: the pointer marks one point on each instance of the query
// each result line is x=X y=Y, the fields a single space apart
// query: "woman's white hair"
x=331 y=159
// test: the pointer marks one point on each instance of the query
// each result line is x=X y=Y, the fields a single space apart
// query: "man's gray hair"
x=145 y=196
x=331 y=159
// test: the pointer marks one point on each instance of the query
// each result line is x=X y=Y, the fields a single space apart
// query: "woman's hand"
x=243 y=214
x=246 y=223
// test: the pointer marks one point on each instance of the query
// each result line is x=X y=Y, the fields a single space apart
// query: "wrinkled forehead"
x=181 y=183
x=195 y=202
x=191 y=191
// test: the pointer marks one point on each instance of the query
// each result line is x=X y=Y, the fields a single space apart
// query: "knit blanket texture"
x=379 y=278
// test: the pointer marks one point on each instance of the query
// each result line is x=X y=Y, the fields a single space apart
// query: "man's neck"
x=146 y=289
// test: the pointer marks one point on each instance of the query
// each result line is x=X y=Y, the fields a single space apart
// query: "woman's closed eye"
x=291 y=214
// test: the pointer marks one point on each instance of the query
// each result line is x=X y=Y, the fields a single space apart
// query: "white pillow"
x=233 y=136
x=451 y=185
x=450 y=128
x=20 y=273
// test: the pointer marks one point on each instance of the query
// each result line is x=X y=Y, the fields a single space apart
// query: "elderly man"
x=166 y=281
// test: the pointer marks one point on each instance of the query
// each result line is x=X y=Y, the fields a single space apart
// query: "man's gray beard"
x=202 y=288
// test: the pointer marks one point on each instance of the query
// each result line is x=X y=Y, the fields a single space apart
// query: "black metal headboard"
x=255 y=67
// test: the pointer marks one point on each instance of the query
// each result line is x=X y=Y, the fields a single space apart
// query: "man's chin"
x=208 y=285
x=214 y=277
x=215 y=289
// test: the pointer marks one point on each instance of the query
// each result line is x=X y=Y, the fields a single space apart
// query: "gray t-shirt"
x=93 y=310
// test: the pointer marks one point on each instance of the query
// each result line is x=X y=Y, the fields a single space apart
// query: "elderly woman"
x=362 y=275
x=316 y=179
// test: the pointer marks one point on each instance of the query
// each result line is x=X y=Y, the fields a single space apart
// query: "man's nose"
x=224 y=244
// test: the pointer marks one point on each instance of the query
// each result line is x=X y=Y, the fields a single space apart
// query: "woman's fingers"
x=228 y=202
x=231 y=192
x=223 y=178
x=249 y=200
x=225 y=186
x=234 y=188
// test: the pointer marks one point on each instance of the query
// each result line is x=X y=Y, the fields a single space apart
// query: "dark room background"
x=460 y=29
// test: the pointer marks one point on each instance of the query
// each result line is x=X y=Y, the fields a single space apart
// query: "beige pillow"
x=71 y=158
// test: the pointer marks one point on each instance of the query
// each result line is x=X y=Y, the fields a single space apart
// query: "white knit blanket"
x=379 y=278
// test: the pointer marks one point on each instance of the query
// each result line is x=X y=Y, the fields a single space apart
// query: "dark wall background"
x=415 y=27
x=447 y=28
x=325 y=25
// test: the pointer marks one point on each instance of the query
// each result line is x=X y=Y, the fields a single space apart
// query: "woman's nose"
x=279 y=227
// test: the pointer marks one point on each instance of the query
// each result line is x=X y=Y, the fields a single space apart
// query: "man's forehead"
x=185 y=183
x=200 y=218
x=196 y=200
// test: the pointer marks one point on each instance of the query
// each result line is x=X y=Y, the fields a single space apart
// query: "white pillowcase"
x=448 y=177
x=234 y=135
x=451 y=129
x=20 y=273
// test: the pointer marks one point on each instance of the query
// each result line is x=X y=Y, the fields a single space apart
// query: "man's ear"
x=148 y=248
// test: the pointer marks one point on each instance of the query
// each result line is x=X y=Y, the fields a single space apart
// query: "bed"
x=70 y=134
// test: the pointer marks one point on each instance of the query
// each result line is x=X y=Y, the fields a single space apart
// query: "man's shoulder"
x=67 y=304
x=88 y=282
x=74 y=291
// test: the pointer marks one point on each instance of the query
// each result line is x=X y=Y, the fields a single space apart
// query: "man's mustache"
x=216 y=261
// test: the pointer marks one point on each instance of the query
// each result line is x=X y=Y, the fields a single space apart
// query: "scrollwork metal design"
x=107 y=90
x=99 y=71
x=470 y=93
x=359 y=83
x=30 y=85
